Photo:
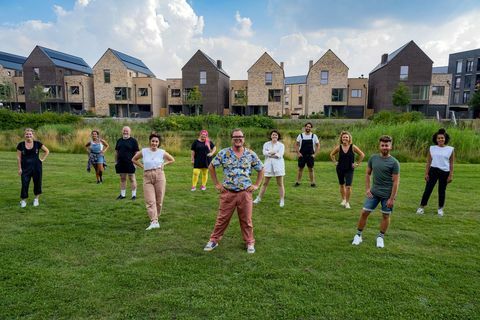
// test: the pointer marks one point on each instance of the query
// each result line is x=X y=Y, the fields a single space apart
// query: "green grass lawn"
x=82 y=254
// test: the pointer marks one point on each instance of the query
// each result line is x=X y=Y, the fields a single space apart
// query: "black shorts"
x=306 y=160
x=345 y=177
x=125 y=167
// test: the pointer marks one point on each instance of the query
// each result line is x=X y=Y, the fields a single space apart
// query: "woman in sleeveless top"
x=203 y=150
x=30 y=166
x=96 y=149
x=154 y=161
x=439 y=168
x=346 y=164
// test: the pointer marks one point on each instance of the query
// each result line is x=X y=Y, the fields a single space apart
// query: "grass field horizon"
x=82 y=254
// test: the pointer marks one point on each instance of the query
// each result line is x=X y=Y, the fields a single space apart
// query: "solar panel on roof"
x=67 y=61
x=133 y=63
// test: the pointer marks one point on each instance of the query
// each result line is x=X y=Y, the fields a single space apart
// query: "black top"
x=30 y=156
x=345 y=159
x=126 y=149
x=201 y=150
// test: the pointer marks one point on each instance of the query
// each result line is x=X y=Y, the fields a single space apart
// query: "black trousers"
x=435 y=175
x=31 y=170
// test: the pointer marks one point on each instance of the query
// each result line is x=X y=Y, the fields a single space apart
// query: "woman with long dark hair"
x=96 y=149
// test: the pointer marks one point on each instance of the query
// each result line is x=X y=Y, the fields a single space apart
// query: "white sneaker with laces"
x=251 y=248
x=380 y=243
x=357 y=240
x=257 y=200
x=440 y=212
x=35 y=202
x=282 y=203
x=420 y=211
x=347 y=205
x=210 y=246
x=343 y=202
x=153 y=225
x=23 y=203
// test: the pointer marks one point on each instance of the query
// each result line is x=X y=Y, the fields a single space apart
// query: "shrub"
x=14 y=120
x=389 y=117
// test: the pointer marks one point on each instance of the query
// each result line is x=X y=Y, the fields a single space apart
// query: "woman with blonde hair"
x=346 y=164
x=203 y=150
x=30 y=166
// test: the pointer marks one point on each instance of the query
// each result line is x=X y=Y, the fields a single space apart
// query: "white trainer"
x=152 y=225
x=23 y=203
x=380 y=243
x=440 y=212
x=347 y=205
x=420 y=211
x=282 y=203
x=257 y=200
x=357 y=240
x=343 y=202
x=35 y=202
x=251 y=248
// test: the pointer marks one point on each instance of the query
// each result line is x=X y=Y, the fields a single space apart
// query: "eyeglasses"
x=237 y=137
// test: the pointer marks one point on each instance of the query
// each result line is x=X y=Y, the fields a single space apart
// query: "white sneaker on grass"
x=153 y=225
x=251 y=248
x=282 y=203
x=440 y=212
x=23 y=203
x=347 y=205
x=420 y=211
x=210 y=246
x=35 y=202
x=357 y=240
x=257 y=200
x=343 y=202
x=380 y=243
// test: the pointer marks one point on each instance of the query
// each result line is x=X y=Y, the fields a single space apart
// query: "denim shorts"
x=371 y=203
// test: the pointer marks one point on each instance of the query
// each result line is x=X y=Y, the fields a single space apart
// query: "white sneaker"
x=152 y=225
x=257 y=200
x=420 y=211
x=251 y=248
x=440 y=212
x=347 y=205
x=210 y=246
x=23 y=203
x=35 y=202
x=343 y=202
x=357 y=240
x=282 y=203
x=380 y=243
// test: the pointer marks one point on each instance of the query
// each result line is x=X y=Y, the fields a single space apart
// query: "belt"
x=152 y=169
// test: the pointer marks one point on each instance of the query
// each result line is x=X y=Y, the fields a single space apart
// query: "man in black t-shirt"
x=125 y=149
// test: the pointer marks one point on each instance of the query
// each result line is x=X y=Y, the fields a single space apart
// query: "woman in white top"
x=439 y=167
x=154 y=160
x=273 y=151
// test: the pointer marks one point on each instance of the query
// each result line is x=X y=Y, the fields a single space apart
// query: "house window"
x=478 y=64
x=21 y=91
x=74 y=90
x=53 y=92
x=300 y=89
x=356 y=93
x=337 y=94
x=274 y=95
x=143 y=92
x=438 y=90
x=18 y=73
x=324 y=77
x=175 y=93
x=122 y=93
x=457 y=82
x=287 y=99
x=468 y=82
x=203 y=77
x=67 y=72
x=420 y=92
x=469 y=66
x=287 y=89
x=268 y=78
x=466 y=96
x=456 y=97
x=36 y=73
x=300 y=100
x=9 y=73
x=106 y=75
x=459 y=66
x=403 y=72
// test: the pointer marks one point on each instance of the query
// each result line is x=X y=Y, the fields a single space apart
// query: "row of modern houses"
x=123 y=86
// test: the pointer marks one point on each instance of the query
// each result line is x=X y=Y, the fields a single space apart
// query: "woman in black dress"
x=202 y=151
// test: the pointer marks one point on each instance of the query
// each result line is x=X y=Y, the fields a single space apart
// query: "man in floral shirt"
x=236 y=189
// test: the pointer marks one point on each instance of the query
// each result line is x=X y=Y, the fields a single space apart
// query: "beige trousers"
x=154 y=190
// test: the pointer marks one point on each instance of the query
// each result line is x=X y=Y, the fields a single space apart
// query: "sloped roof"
x=67 y=61
x=213 y=62
x=389 y=58
x=265 y=54
x=132 y=63
x=11 y=61
x=443 y=69
x=296 y=80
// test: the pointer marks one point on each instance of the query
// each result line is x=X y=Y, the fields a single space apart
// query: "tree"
x=401 y=96
x=474 y=103
x=241 y=98
x=194 y=98
x=6 y=92
x=39 y=95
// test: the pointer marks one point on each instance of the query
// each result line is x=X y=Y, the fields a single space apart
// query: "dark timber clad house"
x=66 y=79
x=212 y=81
x=408 y=64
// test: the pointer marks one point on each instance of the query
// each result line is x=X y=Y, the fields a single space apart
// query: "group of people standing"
x=238 y=163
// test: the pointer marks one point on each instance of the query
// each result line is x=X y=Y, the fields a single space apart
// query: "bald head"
x=126 y=131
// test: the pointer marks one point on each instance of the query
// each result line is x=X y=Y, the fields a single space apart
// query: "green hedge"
x=14 y=120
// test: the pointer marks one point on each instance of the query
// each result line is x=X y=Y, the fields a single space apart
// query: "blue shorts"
x=371 y=203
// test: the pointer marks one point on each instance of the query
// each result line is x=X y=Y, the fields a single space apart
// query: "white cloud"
x=243 y=26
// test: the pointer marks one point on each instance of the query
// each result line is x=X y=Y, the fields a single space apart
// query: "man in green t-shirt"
x=386 y=177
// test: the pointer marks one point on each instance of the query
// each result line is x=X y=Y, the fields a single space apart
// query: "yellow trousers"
x=196 y=173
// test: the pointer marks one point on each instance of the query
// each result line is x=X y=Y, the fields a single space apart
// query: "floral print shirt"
x=237 y=171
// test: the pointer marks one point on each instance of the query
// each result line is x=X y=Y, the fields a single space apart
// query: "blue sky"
x=165 y=33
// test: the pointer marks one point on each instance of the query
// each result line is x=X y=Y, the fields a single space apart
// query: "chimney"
x=219 y=64
x=384 y=58
x=310 y=64
x=281 y=65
